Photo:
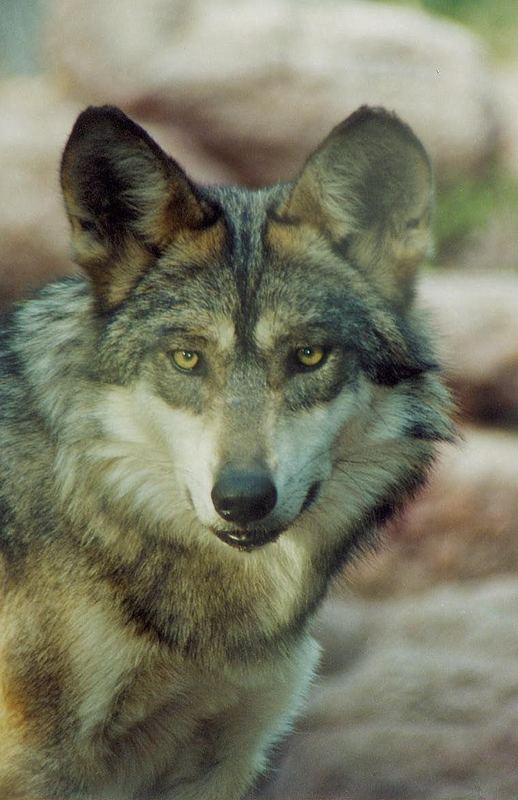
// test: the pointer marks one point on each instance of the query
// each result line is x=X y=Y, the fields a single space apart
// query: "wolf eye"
x=310 y=356
x=186 y=360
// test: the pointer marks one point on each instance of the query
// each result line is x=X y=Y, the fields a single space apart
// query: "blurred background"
x=418 y=697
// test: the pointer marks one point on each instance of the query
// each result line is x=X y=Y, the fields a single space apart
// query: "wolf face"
x=246 y=331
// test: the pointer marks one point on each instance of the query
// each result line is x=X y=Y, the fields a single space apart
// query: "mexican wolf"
x=195 y=436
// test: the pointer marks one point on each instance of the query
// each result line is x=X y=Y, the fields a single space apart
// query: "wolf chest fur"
x=195 y=436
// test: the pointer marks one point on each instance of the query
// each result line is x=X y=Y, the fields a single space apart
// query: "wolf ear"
x=369 y=187
x=125 y=198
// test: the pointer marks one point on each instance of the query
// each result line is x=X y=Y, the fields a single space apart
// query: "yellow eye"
x=310 y=356
x=185 y=359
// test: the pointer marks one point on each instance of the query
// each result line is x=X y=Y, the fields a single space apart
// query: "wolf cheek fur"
x=195 y=437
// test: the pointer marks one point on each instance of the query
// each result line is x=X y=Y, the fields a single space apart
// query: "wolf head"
x=258 y=348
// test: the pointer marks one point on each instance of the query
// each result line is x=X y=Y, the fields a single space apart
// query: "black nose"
x=244 y=495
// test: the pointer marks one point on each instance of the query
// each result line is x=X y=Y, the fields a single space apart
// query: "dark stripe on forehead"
x=245 y=220
x=243 y=253
x=247 y=261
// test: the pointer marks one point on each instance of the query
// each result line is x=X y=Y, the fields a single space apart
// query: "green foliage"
x=468 y=206
x=459 y=9
x=496 y=21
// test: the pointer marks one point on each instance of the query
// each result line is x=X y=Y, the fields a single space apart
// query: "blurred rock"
x=491 y=248
x=427 y=709
x=476 y=317
x=33 y=230
x=464 y=525
x=261 y=84
x=36 y=121
x=507 y=108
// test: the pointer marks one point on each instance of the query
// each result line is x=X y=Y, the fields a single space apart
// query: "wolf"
x=197 y=433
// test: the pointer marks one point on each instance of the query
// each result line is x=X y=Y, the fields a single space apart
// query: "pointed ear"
x=369 y=188
x=125 y=198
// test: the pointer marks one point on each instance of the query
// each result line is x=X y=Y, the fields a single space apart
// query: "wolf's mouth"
x=311 y=496
x=248 y=540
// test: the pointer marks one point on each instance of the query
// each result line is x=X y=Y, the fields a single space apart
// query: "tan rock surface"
x=476 y=319
x=34 y=125
x=506 y=80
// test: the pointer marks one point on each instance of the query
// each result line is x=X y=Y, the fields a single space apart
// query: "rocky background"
x=418 y=696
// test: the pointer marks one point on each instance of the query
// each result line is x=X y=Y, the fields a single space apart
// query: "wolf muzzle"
x=247 y=495
x=244 y=496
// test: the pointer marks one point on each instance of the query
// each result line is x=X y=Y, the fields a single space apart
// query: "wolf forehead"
x=248 y=272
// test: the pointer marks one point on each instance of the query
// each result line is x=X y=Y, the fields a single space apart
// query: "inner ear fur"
x=369 y=187
x=125 y=199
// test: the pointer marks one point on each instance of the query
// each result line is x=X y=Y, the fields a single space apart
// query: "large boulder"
x=418 y=699
x=476 y=319
x=261 y=83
